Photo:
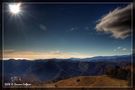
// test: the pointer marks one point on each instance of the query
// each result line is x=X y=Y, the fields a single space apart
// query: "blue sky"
x=61 y=29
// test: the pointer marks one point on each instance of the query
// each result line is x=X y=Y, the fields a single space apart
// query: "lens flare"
x=15 y=8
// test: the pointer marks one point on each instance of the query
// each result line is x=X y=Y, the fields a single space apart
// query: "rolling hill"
x=91 y=81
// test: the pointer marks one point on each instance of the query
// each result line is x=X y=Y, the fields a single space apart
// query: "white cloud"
x=73 y=28
x=117 y=23
x=124 y=49
x=42 y=27
x=119 y=49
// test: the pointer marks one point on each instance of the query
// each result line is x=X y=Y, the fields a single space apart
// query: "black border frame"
x=62 y=1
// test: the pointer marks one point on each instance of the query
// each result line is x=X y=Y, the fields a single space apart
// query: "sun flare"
x=15 y=8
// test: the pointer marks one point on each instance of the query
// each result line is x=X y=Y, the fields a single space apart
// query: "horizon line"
x=64 y=58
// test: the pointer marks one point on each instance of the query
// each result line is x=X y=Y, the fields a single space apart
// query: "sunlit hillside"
x=92 y=81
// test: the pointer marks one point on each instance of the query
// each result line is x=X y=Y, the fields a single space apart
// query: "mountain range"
x=51 y=70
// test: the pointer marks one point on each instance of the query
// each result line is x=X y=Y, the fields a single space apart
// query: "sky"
x=43 y=31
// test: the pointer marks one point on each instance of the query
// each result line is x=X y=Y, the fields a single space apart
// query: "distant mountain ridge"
x=90 y=59
x=122 y=58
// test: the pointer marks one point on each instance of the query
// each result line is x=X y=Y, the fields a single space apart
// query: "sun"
x=15 y=8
